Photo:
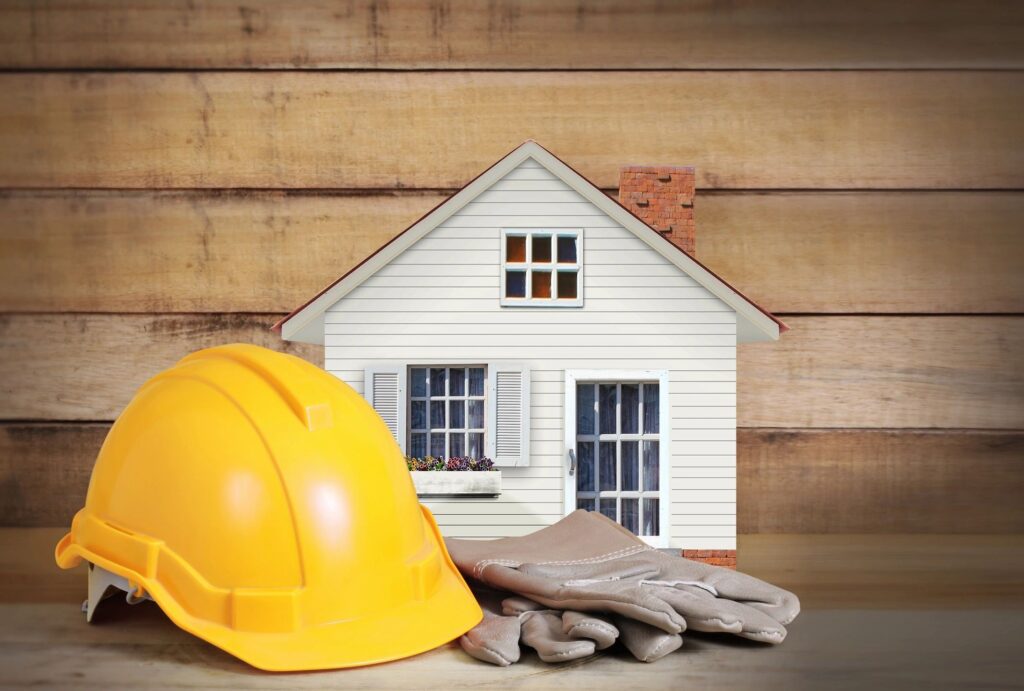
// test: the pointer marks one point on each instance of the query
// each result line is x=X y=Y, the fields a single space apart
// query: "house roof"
x=754 y=323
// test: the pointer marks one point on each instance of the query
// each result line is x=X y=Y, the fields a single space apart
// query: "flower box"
x=453 y=483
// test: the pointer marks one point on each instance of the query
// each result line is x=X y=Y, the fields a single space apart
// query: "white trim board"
x=306 y=323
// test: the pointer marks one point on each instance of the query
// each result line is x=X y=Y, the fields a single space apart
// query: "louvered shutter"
x=384 y=388
x=508 y=414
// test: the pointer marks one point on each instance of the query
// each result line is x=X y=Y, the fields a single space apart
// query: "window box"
x=454 y=483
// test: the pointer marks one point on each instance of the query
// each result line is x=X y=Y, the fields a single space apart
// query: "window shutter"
x=508 y=415
x=384 y=388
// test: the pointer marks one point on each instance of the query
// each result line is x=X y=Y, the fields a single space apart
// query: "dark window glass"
x=651 y=517
x=476 y=445
x=457 y=444
x=629 y=466
x=631 y=515
x=476 y=414
x=515 y=284
x=630 y=408
x=587 y=504
x=585 y=466
x=651 y=409
x=606 y=474
x=457 y=382
x=419 y=382
x=608 y=397
x=584 y=409
x=419 y=414
x=515 y=248
x=419 y=445
x=608 y=507
x=437 y=414
x=437 y=381
x=437 y=444
x=567 y=285
x=540 y=284
x=456 y=414
x=476 y=381
x=651 y=466
x=567 y=250
x=541 y=249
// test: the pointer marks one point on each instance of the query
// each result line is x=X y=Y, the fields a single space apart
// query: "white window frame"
x=572 y=377
x=554 y=267
x=446 y=397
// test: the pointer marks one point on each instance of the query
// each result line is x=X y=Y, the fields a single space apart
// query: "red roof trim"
x=782 y=325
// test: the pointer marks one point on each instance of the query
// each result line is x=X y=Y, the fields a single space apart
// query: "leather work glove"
x=588 y=563
x=556 y=636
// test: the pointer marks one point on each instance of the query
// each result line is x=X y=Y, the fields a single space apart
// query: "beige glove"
x=556 y=636
x=588 y=563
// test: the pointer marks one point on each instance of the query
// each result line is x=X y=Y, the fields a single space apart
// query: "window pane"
x=541 y=249
x=584 y=409
x=418 y=447
x=457 y=382
x=476 y=445
x=567 y=285
x=476 y=414
x=419 y=381
x=515 y=248
x=650 y=409
x=587 y=504
x=608 y=507
x=567 y=250
x=606 y=474
x=608 y=400
x=540 y=282
x=651 y=517
x=419 y=414
x=476 y=381
x=630 y=408
x=437 y=444
x=631 y=515
x=437 y=381
x=629 y=466
x=585 y=466
x=456 y=414
x=437 y=415
x=515 y=284
x=457 y=443
x=651 y=466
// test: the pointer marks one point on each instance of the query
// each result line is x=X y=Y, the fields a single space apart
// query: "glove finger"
x=589 y=595
x=516 y=605
x=597 y=629
x=705 y=612
x=646 y=643
x=542 y=631
x=494 y=640
x=779 y=604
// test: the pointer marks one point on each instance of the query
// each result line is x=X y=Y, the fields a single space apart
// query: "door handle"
x=572 y=461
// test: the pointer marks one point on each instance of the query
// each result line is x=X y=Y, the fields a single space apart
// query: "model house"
x=573 y=339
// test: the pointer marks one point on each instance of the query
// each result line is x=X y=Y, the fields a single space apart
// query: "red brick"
x=665 y=205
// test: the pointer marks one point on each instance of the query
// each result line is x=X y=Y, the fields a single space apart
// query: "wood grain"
x=764 y=130
x=879 y=481
x=789 y=481
x=919 y=372
x=875 y=372
x=867 y=252
x=549 y=34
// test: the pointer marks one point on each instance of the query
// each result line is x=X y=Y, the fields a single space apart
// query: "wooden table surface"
x=880 y=611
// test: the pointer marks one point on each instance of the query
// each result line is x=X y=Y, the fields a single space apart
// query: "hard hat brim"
x=413 y=628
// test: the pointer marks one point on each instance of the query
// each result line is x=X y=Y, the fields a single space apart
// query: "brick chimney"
x=662 y=196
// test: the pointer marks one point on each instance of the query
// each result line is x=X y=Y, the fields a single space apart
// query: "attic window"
x=542 y=268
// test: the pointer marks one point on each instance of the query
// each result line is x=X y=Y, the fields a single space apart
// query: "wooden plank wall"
x=178 y=175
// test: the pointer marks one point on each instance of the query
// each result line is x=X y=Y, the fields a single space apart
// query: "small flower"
x=484 y=464
x=457 y=463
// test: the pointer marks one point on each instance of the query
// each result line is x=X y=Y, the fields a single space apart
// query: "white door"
x=617 y=448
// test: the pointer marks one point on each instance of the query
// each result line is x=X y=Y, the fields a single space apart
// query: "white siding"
x=438 y=302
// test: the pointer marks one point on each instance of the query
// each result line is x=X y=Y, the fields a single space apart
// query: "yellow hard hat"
x=264 y=505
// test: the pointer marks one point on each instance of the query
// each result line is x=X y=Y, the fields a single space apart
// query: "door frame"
x=572 y=376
